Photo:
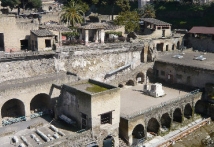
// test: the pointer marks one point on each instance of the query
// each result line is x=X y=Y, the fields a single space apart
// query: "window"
x=47 y=43
x=163 y=73
x=178 y=76
x=106 y=118
x=165 y=27
x=159 y=28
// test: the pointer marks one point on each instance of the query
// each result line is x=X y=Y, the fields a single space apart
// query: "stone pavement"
x=133 y=99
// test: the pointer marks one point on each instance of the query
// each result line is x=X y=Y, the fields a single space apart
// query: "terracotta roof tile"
x=42 y=33
x=202 y=30
x=55 y=28
x=155 y=21
x=104 y=25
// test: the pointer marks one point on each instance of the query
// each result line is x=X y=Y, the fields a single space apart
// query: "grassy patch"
x=95 y=88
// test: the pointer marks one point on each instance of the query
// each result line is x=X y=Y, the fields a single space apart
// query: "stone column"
x=60 y=38
x=102 y=35
x=0 y=121
x=97 y=36
x=27 y=111
x=145 y=129
x=145 y=52
x=86 y=37
x=171 y=121
x=182 y=111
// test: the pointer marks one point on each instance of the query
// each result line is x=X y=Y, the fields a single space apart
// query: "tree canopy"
x=122 y=4
x=72 y=13
x=21 y=3
x=10 y=3
x=147 y=11
x=128 y=18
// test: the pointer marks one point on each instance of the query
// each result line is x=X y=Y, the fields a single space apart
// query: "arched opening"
x=177 y=115
x=178 y=45
x=130 y=83
x=108 y=141
x=188 y=111
x=140 y=78
x=138 y=132
x=165 y=121
x=201 y=107
x=142 y=56
x=173 y=47
x=120 y=85
x=153 y=126
x=149 y=74
x=40 y=102
x=13 y=108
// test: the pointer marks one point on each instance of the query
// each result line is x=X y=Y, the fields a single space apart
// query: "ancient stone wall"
x=14 y=30
x=85 y=66
x=204 y=44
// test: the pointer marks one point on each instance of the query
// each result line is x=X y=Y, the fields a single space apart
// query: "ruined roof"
x=91 y=86
x=155 y=21
x=42 y=33
x=188 y=60
x=55 y=28
x=202 y=30
x=104 y=25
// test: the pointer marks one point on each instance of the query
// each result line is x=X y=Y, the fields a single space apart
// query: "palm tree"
x=72 y=13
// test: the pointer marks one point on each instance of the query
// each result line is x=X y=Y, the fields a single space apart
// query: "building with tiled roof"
x=42 y=33
x=156 y=28
x=96 y=31
x=201 y=38
x=155 y=21
x=41 y=40
x=104 y=25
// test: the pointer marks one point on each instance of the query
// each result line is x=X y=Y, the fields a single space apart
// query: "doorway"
x=163 y=33
x=24 y=44
x=1 y=41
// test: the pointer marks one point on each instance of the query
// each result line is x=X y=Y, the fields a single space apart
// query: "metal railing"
x=187 y=96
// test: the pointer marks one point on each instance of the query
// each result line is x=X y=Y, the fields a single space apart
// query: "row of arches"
x=16 y=108
x=154 y=126
x=139 y=78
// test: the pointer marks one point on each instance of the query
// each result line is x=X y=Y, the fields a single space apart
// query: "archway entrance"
x=178 y=45
x=130 y=83
x=142 y=56
x=188 y=111
x=153 y=126
x=140 y=78
x=173 y=47
x=40 y=102
x=177 y=115
x=138 y=132
x=201 y=107
x=13 y=108
x=108 y=141
x=166 y=121
x=149 y=74
x=160 y=47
